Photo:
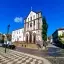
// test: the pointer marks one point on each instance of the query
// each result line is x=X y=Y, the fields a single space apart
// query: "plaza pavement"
x=15 y=57
x=54 y=54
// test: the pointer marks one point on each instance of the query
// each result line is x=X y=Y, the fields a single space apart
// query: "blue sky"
x=11 y=10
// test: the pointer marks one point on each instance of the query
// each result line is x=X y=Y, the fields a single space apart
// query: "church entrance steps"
x=26 y=45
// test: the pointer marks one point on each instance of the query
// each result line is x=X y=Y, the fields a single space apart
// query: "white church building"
x=32 y=30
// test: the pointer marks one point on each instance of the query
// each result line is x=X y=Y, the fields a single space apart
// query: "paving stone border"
x=13 y=56
x=45 y=61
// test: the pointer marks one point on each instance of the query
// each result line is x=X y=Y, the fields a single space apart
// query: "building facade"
x=57 y=33
x=17 y=35
x=33 y=27
x=32 y=30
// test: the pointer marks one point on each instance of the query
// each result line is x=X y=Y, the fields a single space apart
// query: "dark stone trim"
x=33 y=30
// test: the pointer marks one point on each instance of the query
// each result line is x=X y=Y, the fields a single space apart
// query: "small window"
x=28 y=19
x=19 y=36
x=17 y=32
x=39 y=14
x=17 y=39
x=30 y=24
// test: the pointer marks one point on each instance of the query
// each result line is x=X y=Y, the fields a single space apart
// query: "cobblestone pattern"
x=56 y=60
x=13 y=57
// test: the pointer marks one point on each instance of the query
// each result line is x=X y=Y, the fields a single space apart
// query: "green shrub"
x=60 y=40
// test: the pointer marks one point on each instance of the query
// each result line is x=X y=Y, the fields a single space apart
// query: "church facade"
x=32 y=30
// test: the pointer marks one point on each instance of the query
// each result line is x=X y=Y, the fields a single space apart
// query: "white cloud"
x=18 y=19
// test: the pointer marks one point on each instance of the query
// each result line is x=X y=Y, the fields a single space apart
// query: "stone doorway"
x=27 y=38
x=30 y=37
x=34 y=38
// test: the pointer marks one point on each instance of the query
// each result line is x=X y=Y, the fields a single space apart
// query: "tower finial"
x=31 y=8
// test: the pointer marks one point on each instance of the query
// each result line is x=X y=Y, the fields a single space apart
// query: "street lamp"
x=7 y=36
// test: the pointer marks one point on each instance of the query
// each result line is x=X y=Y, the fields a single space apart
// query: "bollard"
x=22 y=45
x=25 y=45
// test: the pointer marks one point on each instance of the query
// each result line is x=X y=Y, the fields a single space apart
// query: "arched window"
x=31 y=18
x=30 y=24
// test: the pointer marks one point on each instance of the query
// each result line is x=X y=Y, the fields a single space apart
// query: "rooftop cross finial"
x=31 y=8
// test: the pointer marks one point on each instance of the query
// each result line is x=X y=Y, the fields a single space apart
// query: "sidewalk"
x=15 y=57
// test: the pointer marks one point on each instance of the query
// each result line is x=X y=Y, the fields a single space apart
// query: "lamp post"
x=7 y=36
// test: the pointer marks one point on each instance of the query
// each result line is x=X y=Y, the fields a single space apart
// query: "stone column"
x=28 y=37
x=32 y=25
